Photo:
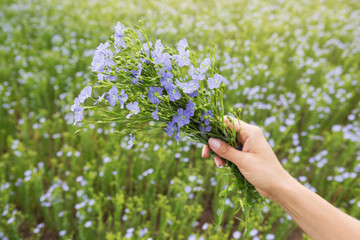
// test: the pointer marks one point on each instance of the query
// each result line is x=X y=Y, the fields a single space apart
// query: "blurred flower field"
x=293 y=66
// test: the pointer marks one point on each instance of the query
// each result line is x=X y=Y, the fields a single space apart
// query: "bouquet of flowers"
x=142 y=85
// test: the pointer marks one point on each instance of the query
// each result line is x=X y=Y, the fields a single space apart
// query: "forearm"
x=317 y=217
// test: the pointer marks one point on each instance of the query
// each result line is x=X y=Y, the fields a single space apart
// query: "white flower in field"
x=187 y=189
x=80 y=205
x=142 y=232
x=106 y=159
x=296 y=159
x=186 y=159
x=91 y=202
x=282 y=128
x=256 y=238
x=236 y=235
x=80 y=192
x=192 y=237
x=205 y=226
x=195 y=224
x=128 y=234
x=36 y=230
x=156 y=147
x=10 y=220
x=336 y=128
x=302 y=178
x=65 y=187
x=61 y=214
x=62 y=233
x=253 y=232
x=192 y=178
x=270 y=236
x=212 y=181
x=88 y=224
x=79 y=178
x=114 y=173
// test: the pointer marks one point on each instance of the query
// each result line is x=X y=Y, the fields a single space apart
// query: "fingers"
x=245 y=130
x=224 y=150
x=217 y=159
x=205 y=151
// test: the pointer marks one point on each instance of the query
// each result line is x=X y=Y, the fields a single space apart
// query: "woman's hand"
x=257 y=162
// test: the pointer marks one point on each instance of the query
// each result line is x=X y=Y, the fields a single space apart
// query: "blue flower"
x=170 y=128
x=102 y=76
x=100 y=98
x=113 y=96
x=164 y=59
x=133 y=108
x=204 y=128
x=196 y=74
x=191 y=107
x=183 y=59
x=161 y=58
x=102 y=60
x=166 y=80
x=154 y=114
x=205 y=65
x=131 y=141
x=152 y=94
x=78 y=111
x=177 y=135
x=189 y=87
x=145 y=47
x=158 y=48
x=136 y=74
x=173 y=94
x=182 y=118
x=194 y=94
x=216 y=81
x=208 y=113
x=123 y=98
x=118 y=37
x=85 y=93
x=182 y=45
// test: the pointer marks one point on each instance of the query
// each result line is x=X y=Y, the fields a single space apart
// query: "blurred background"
x=293 y=66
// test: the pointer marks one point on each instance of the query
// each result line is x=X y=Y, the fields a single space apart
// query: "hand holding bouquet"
x=146 y=86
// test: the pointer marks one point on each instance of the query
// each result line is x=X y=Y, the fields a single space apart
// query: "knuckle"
x=225 y=150
x=257 y=131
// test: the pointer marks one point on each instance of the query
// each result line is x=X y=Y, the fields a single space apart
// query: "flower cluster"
x=166 y=89
x=160 y=85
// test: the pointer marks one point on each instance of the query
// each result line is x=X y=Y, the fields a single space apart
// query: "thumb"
x=226 y=151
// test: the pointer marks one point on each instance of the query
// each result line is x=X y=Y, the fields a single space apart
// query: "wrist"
x=283 y=187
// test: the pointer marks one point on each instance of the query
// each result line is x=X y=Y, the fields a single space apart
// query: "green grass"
x=296 y=62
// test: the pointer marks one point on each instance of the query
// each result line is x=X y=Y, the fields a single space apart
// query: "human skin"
x=260 y=166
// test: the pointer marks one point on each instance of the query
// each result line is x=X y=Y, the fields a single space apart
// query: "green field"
x=293 y=66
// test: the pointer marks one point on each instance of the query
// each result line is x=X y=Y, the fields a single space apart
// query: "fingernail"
x=217 y=161
x=203 y=152
x=214 y=143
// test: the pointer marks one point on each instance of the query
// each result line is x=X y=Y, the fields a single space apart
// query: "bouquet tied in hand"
x=146 y=86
